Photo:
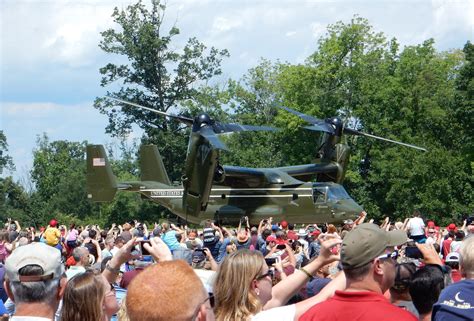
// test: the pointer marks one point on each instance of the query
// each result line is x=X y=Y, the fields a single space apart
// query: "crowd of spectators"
x=411 y=270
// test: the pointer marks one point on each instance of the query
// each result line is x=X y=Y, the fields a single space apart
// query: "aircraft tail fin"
x=151 y=165
x=101 y=182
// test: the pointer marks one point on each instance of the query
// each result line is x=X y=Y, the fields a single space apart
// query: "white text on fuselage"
x=166 y=193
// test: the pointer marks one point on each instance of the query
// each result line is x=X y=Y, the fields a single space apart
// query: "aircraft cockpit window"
x=319 y=194
x=337 y=193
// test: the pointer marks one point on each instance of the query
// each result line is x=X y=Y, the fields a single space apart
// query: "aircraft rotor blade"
x=356 y=132
x=210 y=135
x=318 y=128
x=186 y=120
x=320 y=125
x=220 y=128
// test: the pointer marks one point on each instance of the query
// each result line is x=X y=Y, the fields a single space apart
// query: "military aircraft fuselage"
x=307 y=203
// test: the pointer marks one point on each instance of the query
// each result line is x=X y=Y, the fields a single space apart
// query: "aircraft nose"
x=350 y=208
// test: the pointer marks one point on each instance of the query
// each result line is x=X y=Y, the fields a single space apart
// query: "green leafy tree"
x=156 y=76
x=59 y=176
x=5 y=160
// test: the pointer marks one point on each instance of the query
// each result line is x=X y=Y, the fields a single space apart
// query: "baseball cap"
x=275 y=227
x=452 y=257
x=302 y=232
x=45 y=256
x=431 y=224
x=315 y=233
x=284 y=224
x=349 y=222
x=53 y=223
x=270 y=238
x=366 y=242
x=452 y=227
x=279 y=241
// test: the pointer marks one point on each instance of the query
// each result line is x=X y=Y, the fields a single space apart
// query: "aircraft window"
x=337 y=193
x=319 y=194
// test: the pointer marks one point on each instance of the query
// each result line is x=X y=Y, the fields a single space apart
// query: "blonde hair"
x=332 y=228
x=233 y=293
x=83 y=298
x=467 y=257
x=122 y=314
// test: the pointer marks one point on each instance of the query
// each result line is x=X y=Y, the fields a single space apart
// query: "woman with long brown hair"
x=243 y=287
x=88 y=297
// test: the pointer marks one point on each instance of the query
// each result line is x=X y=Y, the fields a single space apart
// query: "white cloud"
x=290 y=33
x=28 y=109
x=317 y=30
x=224 y=24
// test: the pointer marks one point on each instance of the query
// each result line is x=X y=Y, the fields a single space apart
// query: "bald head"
x=165 y=291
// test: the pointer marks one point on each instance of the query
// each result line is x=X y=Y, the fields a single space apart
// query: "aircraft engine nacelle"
x=201 y=163
x=219 y=174
x=343 y=153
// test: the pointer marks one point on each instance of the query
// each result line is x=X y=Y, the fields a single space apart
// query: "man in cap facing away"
x=368 y=258
x=35 y=281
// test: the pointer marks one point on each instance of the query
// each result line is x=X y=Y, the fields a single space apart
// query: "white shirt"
x=416 y=226
x=284 y=313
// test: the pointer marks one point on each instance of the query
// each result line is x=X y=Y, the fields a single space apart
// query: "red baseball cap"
x=279 y=241
x=270 y=238
x=284 y=224
x=315 y=233
x=292 y=236
x=431 y=224
x=452 y=227
x=53 y=223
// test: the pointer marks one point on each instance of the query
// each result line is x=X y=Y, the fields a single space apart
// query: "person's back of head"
x=235 y=298
x=207 y=223
x=83 y=298
x=403 y=277
x=168 y=291
x=291 y=226
x=367 y=256
x=92 y=234
x=459 y=236
x=467 y=258
x=33 y=275
x=425 y=288
x=79 y=254
x=119 y=241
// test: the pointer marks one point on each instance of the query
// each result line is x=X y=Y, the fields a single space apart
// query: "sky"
x=50 y=59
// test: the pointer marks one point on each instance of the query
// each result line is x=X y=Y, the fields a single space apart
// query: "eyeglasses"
x=111 y=291
x=269 y=273
x=393 y=255
x=210 y=297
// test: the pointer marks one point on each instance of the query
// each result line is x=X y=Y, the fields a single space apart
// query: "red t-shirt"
x=447 y=246
x=357 y=306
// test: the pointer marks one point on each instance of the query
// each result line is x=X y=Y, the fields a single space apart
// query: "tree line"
x=415 y=94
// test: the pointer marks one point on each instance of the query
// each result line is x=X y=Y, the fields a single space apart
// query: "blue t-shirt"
x=455 y=303
x=169 y=238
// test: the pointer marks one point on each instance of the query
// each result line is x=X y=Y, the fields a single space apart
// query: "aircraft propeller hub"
x=337 y=123
x=202 y=120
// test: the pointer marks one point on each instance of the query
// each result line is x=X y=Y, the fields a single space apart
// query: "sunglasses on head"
x=393 y=255
x=269 y=273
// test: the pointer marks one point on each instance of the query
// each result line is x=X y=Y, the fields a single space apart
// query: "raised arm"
x=288 y=287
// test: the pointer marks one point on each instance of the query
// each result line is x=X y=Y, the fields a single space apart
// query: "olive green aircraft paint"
x=255 y=192
x=226 y=193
